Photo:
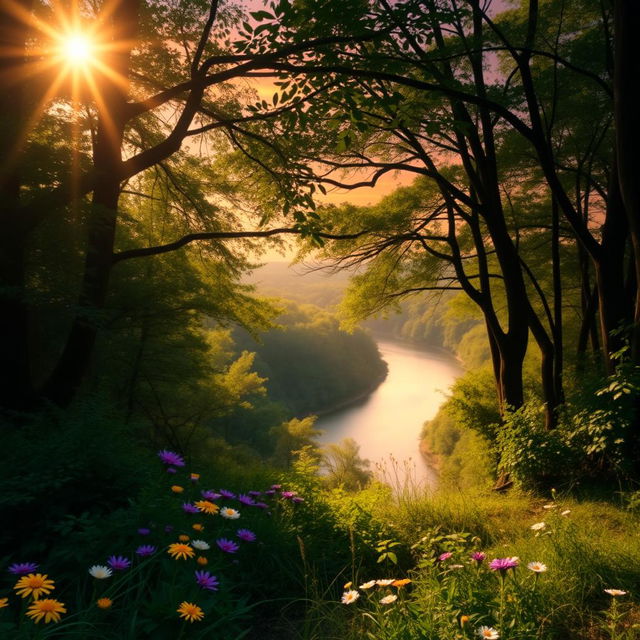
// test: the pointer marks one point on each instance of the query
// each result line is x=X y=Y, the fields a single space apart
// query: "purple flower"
x=118 y=563
x=206 y=581
x=503 y=564
x=255 y=494
x=171 y=458
x=269 y=492
x=288 y=494
x=227 y=545
x=246 y=535
x=145 y=550
x=168 y=528
x=171 y=470
x=187 y=507
x=478 y=556
x=143 y=531
x=261 y=505
x=246 y=500
x=22 y=568
x=227 y=494
x=444 y=556
x=297 y=499
x=210 y=495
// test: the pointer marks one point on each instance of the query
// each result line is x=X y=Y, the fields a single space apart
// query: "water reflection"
x=388 y=423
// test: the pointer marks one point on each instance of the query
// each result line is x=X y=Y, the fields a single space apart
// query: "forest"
x=456 y=174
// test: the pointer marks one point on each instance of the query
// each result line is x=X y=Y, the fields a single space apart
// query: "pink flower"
x=504 y=564
x=444 y=556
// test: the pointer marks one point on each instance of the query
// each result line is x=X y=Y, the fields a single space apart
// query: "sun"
x=77 y=49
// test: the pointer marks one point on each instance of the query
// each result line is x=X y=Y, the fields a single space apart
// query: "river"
x=388 y=423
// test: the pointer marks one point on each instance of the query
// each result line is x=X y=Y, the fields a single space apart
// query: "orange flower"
x=47 y=608
x=400 y=583
x=176 y=488
x=463 y=620
x=104 y=603
x=183 y=538
x=191 y=612
x=35 y=584
x=201 y=560
x=4 y=602
x=180 y=551
x=197 y=526
x=206 y=506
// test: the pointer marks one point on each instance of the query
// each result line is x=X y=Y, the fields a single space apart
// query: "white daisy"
x=488 y=633
x=538 y=526
x=350 y=596
x=200 y=545
x=368 y=585
x=229 y=513
x=537 y=567
x=386 y=582
x=615 y=592
x=389 y=599
x=100 y=572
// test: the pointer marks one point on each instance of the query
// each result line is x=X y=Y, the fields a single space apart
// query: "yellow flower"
x=191 y=612
x=183 y=538
x=463 y=620
x=4 y=602
x=197 y=526
x=400 y=583
x=195 y=476
x=201 y=560
x=35 y=584
x=348 y=585
x=48 y=608
x=180 y=551
x=177 y=488
x=206 y=506
x=104 y=603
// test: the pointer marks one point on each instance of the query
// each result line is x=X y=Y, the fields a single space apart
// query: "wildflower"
x=206 y=581
x=48 y=608
x=248 y=500
x=463 y=620
x=4 y=602
x=401 y=583
x=389 y=599
x=176 y=488
x=22 y=568
x=246 y=535
x=456 y=566
x=537 y=567
x=143 y=531
x=368 y=585
x=210 y=495
x=261 y=505
x=287 y=495
x=183 y=538
x=119 y=563
x=171 y=470
x=229 y=513
x=538 y=526
x=100 y=572
x=190 y=612
x=444 y=556
x=550 y=506
x=194 y=477
x=349 y=597
x=566 y=512
x=170 y=458
x=34 y=584
x=297 y=499
x=270 y=492
x=196 y=526
x=145 y=550
x=478 y=556
x=227 y=545
x=348 y=585
x=104 y=603
x=180 y=551
x=276 y=487
x=385 y=582
x=504 y=564
x=255 y=494
x=202 y=561
x=615 y=592
x=200 y=545
x=488 y=633
x=207 y=506
x=187 y=507
x=227 y=494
